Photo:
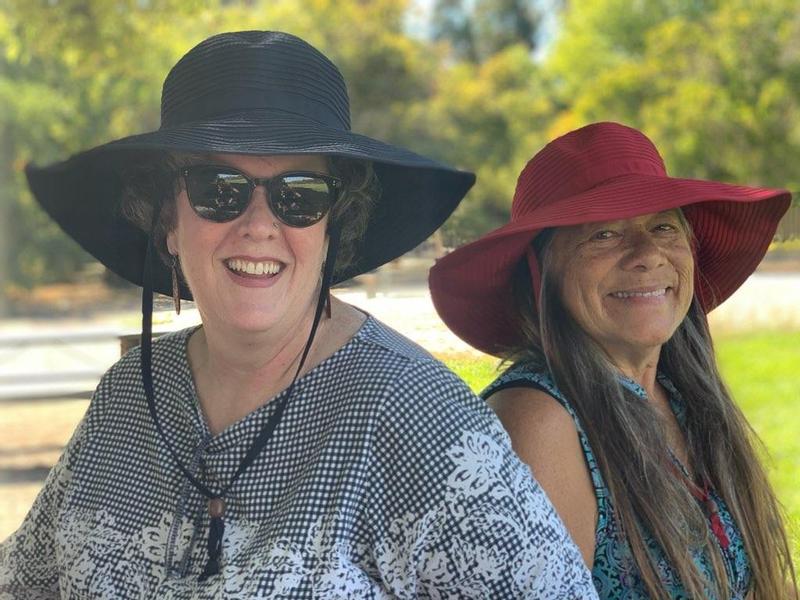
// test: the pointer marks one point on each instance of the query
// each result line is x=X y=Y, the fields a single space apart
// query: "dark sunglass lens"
x=300 y=200
x=217 y=195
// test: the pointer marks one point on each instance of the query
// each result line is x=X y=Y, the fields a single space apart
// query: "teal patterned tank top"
x=614 y=572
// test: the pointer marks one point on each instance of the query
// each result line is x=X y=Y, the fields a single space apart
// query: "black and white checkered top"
x=386 y=478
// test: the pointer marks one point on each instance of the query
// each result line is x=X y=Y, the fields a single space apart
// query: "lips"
x=640 y=293
x=242 y=266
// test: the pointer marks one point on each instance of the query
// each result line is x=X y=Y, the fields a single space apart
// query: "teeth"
x=253 y=268
x=659 y=292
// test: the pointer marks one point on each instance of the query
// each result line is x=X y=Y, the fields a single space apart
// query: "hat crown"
x=581 y=160
x=248 y=71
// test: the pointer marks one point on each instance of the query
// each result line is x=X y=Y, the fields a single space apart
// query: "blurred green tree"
x=478 y=29
x=716 y=84
x=500 y=24
x=451 y=22
x=487 y=117
x=73 y=74
x=76 y=73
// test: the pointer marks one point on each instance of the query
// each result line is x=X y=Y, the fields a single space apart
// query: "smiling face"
x=253 y=273
x=628 y=284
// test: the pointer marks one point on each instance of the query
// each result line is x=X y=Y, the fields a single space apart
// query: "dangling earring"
x=176 y=290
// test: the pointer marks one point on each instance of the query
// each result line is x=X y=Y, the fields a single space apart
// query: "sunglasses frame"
x=334 y=188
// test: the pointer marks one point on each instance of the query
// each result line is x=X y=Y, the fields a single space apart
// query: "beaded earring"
x=176 y=291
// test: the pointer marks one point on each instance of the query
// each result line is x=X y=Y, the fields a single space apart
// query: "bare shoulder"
x=533 y=417
x=542 y=432
x=544 y=436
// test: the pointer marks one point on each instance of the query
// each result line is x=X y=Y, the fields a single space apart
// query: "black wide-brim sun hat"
x=251 y=92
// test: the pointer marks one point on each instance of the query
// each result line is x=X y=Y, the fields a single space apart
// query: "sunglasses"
x=297 y=198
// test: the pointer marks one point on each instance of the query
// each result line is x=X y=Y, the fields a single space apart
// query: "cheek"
x=194 y=239
x=584 y=272
x=307 y=245
x=683 y=262
x=688 y=286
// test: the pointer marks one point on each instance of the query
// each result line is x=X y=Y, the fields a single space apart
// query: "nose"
x=642 y=252
x=258 y=220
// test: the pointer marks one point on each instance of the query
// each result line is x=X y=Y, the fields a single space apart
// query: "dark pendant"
x=216 y=532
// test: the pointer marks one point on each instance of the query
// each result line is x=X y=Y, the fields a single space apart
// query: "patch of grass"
x=478 y=372
x=762 y=370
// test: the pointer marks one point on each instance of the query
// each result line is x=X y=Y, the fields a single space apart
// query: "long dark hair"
x=721 y=444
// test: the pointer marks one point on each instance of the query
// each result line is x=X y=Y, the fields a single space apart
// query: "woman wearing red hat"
x=597 y=292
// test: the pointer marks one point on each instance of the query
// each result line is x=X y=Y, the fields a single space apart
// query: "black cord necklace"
x=216 y=501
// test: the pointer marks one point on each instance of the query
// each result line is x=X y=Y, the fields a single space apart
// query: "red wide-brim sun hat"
x=601 y=172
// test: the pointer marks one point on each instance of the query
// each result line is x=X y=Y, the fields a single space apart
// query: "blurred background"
x=480 y=84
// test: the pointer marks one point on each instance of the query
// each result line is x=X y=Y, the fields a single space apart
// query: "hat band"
x=212 y=106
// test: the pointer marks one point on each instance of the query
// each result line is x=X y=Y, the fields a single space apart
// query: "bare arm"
x=544 y=436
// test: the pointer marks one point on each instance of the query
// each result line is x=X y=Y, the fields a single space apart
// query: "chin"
x=243 y=320
x=645 y=338
x=253 y=323
x=653 y=338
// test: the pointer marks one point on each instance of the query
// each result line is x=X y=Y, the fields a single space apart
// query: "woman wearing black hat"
x=291 y=446
x=596 y=292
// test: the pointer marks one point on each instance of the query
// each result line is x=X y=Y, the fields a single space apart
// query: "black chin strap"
x=216 y=502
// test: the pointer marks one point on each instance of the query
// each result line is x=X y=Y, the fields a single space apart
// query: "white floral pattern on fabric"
x=477 y=459
x=387 y=479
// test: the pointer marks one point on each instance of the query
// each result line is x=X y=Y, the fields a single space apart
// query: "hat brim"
x=732 y=226
x=83 y=193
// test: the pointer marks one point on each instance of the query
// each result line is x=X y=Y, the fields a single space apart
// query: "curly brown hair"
x=153 y=182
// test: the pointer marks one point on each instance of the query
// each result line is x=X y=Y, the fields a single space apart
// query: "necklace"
x=216 y=505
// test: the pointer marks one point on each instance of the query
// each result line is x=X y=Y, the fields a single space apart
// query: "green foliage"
x=761 y=371
x=76 y=73
x=73 y=74
x=499 y=116
x=451 y=22
x=478 y=29
x=715 y=83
